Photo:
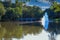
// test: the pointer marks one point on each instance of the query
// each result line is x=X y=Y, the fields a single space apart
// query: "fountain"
x=45 y=21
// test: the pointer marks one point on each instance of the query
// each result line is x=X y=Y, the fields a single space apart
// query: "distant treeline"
x=18 y=10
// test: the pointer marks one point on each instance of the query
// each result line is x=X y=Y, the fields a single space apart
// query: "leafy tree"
x=2 y=10
x=9 y=14
x=54 y=11
x=16 y=2
x=18 y=9
x=55 y=7
x=12 y=14
x=31 y=11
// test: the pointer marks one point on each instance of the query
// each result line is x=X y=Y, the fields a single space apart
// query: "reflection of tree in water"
x=31 y=29
x=2 y=32
x=54 y=29
x=10 y=30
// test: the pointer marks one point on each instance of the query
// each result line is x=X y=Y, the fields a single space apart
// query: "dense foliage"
x=19 y=10
x=54 y=11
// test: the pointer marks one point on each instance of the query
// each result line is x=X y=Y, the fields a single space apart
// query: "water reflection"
x=9 y=30
x=58 y=37
x=41 y=36
x=13 y=30
x=54 y=30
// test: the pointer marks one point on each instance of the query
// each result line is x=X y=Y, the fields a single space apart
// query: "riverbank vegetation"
x=54 y=11
x=17 y=11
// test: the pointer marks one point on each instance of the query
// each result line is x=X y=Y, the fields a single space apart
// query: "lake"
x=29 y=31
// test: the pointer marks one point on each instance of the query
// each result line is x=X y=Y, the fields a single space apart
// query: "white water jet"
x=45 y=21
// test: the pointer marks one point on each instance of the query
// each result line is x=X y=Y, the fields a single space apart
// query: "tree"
x=32 y=12
x=54 y=11
x=55 y=7
x=16 y=2
x=12 y=14
x=2 y=10
x=18 y=9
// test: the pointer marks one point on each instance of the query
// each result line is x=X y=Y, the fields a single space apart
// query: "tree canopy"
x=2 y=9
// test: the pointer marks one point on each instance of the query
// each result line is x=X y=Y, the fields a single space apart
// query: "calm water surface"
x=30 y=31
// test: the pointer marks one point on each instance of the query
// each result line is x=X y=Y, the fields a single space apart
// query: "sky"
x=43 y=4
